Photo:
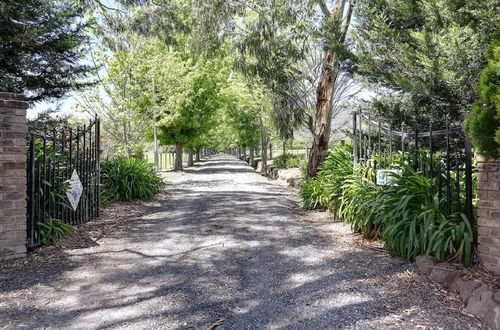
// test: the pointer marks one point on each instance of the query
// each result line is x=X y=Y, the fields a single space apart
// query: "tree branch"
x=324 y=8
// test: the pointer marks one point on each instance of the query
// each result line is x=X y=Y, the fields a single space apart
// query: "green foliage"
x=194 y=117
x=428 y=54
x=313 y=194
x=325 y=190
x=336 y=169
x=47 y=227
x=358 y=196
x=483 y=124
x=408 y=216
x=41 y=43
x=51 y=230
x=128 y=178
x=287 y=161
x=293 y=162
x=246 y=111
x=303 y=167
x=416 y=222
x=146 y=82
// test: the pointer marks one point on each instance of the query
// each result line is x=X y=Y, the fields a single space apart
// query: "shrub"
x=359 y=195
x=313 y=194
x=334 y=172
x=409 y=216
x=51 y=230
x=416 y=222
x=293 y=162
x=325 y=190
x=128 y=178
x=47 y=228
x=287 y=161
x=303 y=167
x=483 y=123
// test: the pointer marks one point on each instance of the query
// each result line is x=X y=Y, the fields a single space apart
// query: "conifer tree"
x=429 y=54
x=41 y=47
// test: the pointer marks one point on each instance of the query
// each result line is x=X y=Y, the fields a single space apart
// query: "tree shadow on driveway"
x=228 y=245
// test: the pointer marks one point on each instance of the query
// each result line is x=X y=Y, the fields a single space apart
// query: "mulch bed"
x=114 y=219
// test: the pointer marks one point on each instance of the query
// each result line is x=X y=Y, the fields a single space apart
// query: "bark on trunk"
x=157 y=147
x=323 y=116
x=263 y=167
x=284 y=147
x=263 y=141
x=251 y=156
x=197 y=154
x=324 y=93
x=178 y=157
x=190 y=157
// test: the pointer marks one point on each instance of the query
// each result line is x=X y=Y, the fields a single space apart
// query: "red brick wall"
x=12 y=176
x=488 y=220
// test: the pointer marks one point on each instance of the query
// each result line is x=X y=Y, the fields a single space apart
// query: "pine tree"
x=428 y=53
x=41 y=45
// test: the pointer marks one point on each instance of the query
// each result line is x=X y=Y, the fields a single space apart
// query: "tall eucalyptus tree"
x=275 y=39
x=337 y=21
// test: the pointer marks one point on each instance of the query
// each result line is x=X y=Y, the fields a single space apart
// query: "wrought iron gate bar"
x=52 y=158
x=403 y=134
x=450 y=173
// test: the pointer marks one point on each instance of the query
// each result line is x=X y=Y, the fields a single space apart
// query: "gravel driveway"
x=225 y=248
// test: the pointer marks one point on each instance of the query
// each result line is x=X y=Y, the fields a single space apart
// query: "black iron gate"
x=62 y=178
x=444 y=155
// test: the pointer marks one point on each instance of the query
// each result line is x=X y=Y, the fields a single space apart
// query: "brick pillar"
x=12 y=176
x=488 y=220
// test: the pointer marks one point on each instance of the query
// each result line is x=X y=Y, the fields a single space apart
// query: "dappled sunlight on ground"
x=227 y=244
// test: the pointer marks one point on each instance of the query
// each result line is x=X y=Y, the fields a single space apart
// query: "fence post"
x=431 y=152
x=12 y=176
x=403 y=140
x=379 y=143
x=360 y=119
x=369 y=138
x=354 y=143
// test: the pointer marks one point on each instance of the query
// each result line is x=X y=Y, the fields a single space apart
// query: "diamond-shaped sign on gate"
x=75 y=190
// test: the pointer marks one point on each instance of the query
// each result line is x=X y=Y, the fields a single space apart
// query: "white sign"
x=75 y=190
x=386 y=177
